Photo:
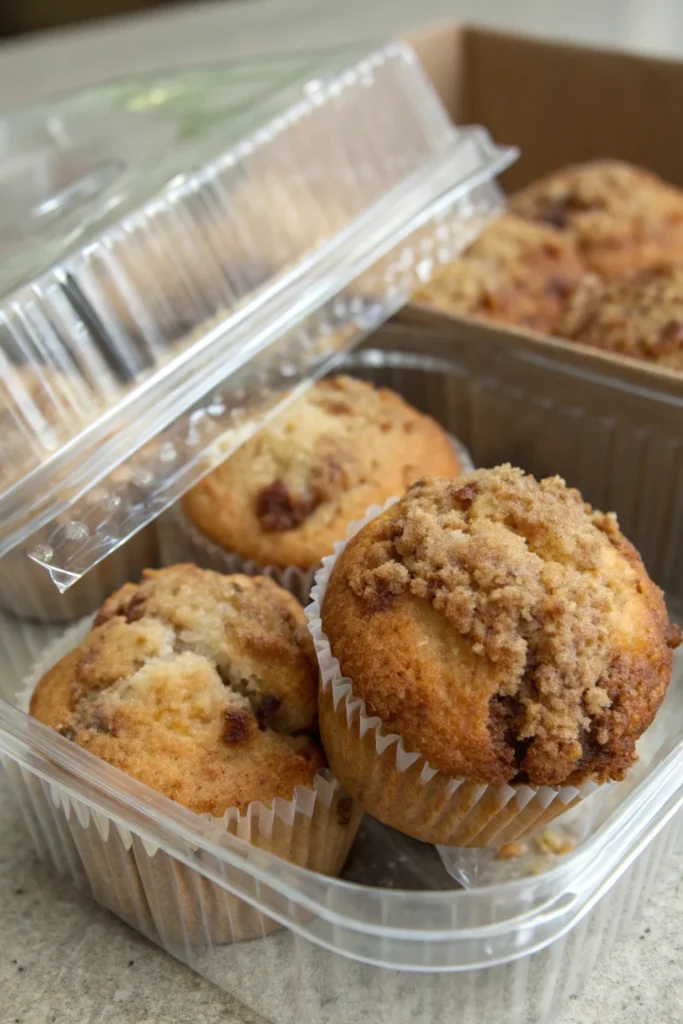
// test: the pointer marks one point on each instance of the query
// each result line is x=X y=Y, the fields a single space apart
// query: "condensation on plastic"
x=395 y=941
x=196 y=265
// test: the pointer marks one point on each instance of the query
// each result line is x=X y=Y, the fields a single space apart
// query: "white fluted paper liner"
x=162 y=897
x=181 y=541
x=400 y=787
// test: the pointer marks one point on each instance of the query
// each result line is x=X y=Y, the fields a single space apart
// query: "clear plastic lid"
x=183 y=253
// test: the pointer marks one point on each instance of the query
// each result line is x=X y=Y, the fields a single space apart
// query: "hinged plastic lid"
x=182 y=253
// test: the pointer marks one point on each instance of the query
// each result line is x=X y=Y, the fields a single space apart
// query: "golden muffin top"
x=517 y=272
x=202 y=686
x=286 y=495
x=505 y=630
x=622 y=218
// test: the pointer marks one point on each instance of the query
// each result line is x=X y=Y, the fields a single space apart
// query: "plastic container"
x=151 y=317
x=395 y=940
x=184 y=252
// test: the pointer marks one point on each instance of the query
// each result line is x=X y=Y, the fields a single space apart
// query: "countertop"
x=62 y=959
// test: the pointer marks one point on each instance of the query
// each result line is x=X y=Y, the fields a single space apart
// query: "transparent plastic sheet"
x=395 y=940
x=181 y=291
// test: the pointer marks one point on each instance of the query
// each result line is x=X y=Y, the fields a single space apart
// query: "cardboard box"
x=609 y=425
x=559 y=104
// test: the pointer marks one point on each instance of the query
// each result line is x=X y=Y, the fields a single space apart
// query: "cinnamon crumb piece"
x=236 y=726
x=270 y=705
x=510 y=850
x=551 y=842
x=278 y=509
x=344 y=808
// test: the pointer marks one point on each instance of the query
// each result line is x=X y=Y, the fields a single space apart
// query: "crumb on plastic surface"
x=550 y=842
x=510 y=850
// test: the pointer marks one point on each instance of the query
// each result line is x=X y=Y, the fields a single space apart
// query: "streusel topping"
x=201 y=685
x=640 y=316
x=505 y=614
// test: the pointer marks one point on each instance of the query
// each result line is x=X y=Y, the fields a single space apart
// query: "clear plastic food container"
x=183 y=252
x=396 y=939
x=130 y=378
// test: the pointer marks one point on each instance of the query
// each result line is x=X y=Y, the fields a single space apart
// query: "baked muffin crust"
x=503 y=629
x=202 y=686
x=285 y=496
x=517 y=272
x=640 y=316
x=622 y=218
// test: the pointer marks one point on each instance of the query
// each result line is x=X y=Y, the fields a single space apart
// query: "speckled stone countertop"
x=63 y=960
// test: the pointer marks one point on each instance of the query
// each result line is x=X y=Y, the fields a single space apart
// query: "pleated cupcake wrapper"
x=162 y=897
x=400 y=787
x=181 y=541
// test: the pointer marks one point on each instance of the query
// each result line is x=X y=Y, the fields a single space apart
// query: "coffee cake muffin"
x=508 y=648
x=517 y=272
x=640 y=316
x=284 y=497
x=622 y=218
x=204 y=687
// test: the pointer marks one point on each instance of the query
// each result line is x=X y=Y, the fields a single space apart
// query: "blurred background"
x=19 y=16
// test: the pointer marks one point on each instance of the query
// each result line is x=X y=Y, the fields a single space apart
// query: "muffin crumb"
x=508 y=851
x=550 y=842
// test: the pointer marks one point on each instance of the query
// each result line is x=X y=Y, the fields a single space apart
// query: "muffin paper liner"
x=181 y=541
x=400 y=787
x=160 y=896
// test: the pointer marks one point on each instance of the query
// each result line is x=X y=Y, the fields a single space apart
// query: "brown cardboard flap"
x=561 y=103
x=440 y=48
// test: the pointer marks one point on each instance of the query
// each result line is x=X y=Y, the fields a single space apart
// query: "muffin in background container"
x=516 y=272
x=278 y=504
x=203 y=687
x=622 y=218
x=490 y=651
x=640 y=316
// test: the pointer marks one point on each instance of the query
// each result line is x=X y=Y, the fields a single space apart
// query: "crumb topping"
x=622 y=217
x=640 y=316
x=517 y=271
x=524 y=571
x=187 y=673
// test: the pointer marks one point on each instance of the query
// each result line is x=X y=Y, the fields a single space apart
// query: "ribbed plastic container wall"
x=396 y=940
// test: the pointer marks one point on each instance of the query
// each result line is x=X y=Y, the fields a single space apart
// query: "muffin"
x=517 y=272
x=204 y=687
x=640 y=316
x=285 y=496
x=491 y=649
x=622 y=218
